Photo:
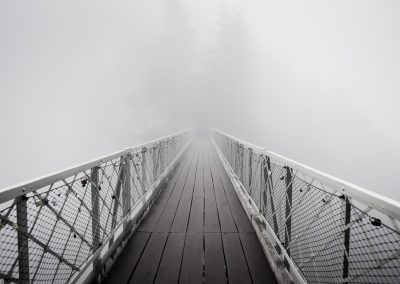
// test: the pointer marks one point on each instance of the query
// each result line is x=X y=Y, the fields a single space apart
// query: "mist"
x=315 y=81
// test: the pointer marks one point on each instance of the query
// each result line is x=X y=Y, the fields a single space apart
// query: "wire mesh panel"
x=331 y=236
x=55 y=225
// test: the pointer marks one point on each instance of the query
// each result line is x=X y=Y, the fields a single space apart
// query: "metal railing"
x=65 y=227
x=322 y=229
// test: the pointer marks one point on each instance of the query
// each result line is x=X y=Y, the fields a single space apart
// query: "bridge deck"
x=197 y=231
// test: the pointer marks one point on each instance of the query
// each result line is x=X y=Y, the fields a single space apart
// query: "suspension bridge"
x=191 y=208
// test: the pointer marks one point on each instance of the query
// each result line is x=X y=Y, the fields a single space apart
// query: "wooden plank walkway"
x=196 y=231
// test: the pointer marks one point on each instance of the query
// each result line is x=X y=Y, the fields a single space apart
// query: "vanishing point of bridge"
x=196 y=209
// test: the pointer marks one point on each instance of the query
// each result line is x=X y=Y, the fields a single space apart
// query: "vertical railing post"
x=237 y=158
x=118 y=188
x=159 y=158
x=288 y=215
x=167 y=152
x=346 y=218
x=269 y=187
x=95 y=219
x=174 y=142
x=263 y=186
x=95 y=208
x=241 y=163
x=231 y=157
x=250 y=169
x=23 y=245
x=232 y=154
x=126 y=191
x=155 y=163
x=143 y=166
x=236 y=155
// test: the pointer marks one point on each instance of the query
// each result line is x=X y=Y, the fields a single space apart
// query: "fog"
x=316 y=81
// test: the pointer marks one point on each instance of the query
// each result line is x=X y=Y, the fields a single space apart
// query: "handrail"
x=14 y=191
x=388 y=206
x=314 y=227
x=56 y=228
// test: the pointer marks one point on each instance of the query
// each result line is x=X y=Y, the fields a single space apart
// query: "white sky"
x=317 y=81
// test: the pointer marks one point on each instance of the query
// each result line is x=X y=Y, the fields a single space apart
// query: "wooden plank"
x=196 y=219
x=146 y=269
x=127 y=260
x=239 y=215
x=224 y=211
x=192 y=261
x=209 y=257
x=149 y=223
x=214 y=262
x=259 y=267
x=167 y=216
x=225 y=215
x=182 y=213
x=168 y=271
x=236 y=264
x=211 y=218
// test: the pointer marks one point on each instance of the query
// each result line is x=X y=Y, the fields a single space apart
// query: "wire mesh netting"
x=49 y=233
x=325 y=233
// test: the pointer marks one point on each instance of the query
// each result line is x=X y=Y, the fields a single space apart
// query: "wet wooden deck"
x=196 y=231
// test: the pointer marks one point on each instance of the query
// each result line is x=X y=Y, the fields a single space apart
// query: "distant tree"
x=228 y=73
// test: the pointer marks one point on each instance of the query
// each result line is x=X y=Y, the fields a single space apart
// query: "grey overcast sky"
x=316 y=81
